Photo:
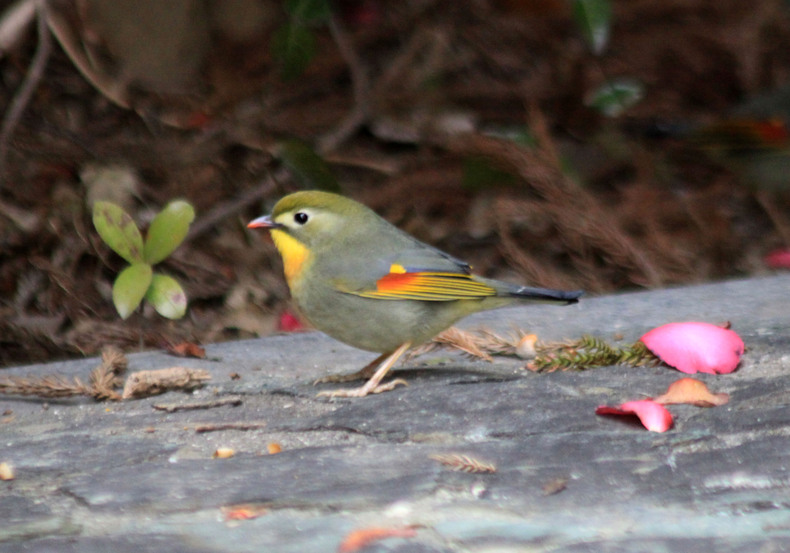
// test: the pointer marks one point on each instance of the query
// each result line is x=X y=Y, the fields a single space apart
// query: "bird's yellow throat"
x=294 y=255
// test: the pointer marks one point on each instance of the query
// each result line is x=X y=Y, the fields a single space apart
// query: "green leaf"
x=616 y=96
x=307 y=167
x=167 y=297
x=594 y=18
x=308 y=11
x=293 y=46
x=168 y=230
x=479 y=173
x=130 y=287
x=118 y=231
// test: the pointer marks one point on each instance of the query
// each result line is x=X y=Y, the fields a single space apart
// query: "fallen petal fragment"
x=691 y=391
x=652 y=415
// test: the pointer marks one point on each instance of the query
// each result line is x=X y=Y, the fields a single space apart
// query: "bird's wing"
x=426 y=275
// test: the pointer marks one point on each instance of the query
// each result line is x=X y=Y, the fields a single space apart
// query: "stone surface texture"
x=124 y=477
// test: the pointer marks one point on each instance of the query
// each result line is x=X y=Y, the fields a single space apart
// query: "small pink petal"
x=696 y=347
x=778 y=259
x=652 y=415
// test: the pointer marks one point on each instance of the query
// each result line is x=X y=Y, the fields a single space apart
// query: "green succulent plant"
x=138 y=281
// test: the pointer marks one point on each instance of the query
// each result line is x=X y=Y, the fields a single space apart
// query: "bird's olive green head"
x=314 y=217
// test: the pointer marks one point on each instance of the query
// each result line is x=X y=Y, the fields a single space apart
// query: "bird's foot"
x=379 y=369
x=365 y=390
x=364 y=373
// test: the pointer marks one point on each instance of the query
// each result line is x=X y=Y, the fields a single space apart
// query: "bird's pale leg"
x=374 y=386
x=363 y=374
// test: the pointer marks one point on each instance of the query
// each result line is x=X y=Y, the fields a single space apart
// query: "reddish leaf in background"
x=187 y=349
x=778 y=259
x=696 y=347
x=289 y=323
x=652 y=415
x=691 y=391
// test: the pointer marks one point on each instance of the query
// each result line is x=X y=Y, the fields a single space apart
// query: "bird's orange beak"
x=263 y=222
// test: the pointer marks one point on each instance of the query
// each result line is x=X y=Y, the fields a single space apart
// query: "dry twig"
x=103 y=379
x=173 y=407
x=463 y=463
x=481 y=345
x=454 y=338
x=230 y=426
x=149 y=383
x=107 y=376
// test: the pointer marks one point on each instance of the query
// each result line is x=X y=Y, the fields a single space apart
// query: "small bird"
x=367 y=283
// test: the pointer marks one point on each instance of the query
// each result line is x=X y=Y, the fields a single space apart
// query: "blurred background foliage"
x=566 y=143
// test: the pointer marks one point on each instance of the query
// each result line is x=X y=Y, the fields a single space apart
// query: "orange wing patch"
x=428 y=286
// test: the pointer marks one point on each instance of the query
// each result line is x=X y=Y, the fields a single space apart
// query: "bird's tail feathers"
x=545 y=294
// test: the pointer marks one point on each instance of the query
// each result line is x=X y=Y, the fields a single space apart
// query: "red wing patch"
x=428 y=286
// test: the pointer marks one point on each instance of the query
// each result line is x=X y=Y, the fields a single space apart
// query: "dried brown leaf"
x=187 y=349
x=244 y=511
x=359 y=539
x=555 y=486
x=691 y=391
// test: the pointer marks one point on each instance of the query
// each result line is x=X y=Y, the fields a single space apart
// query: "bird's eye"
x=301 y=217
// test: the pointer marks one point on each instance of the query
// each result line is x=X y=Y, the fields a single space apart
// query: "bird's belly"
x=378 y=325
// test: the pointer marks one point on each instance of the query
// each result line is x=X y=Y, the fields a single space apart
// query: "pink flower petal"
x=778 y=259
x=289 y=323
x=696 y=347
x=652 y=415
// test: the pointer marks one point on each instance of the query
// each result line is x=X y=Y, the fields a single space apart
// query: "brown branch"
x=34 y=75
x=361 y=110
x=113 y=90
x=231 y=207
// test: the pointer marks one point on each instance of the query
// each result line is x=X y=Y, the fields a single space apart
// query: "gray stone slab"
x=125 y=477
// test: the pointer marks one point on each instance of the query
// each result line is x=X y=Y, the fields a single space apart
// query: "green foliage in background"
x=138 y=281
x=294 y=43
x=594 y=20
x=307 y=167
